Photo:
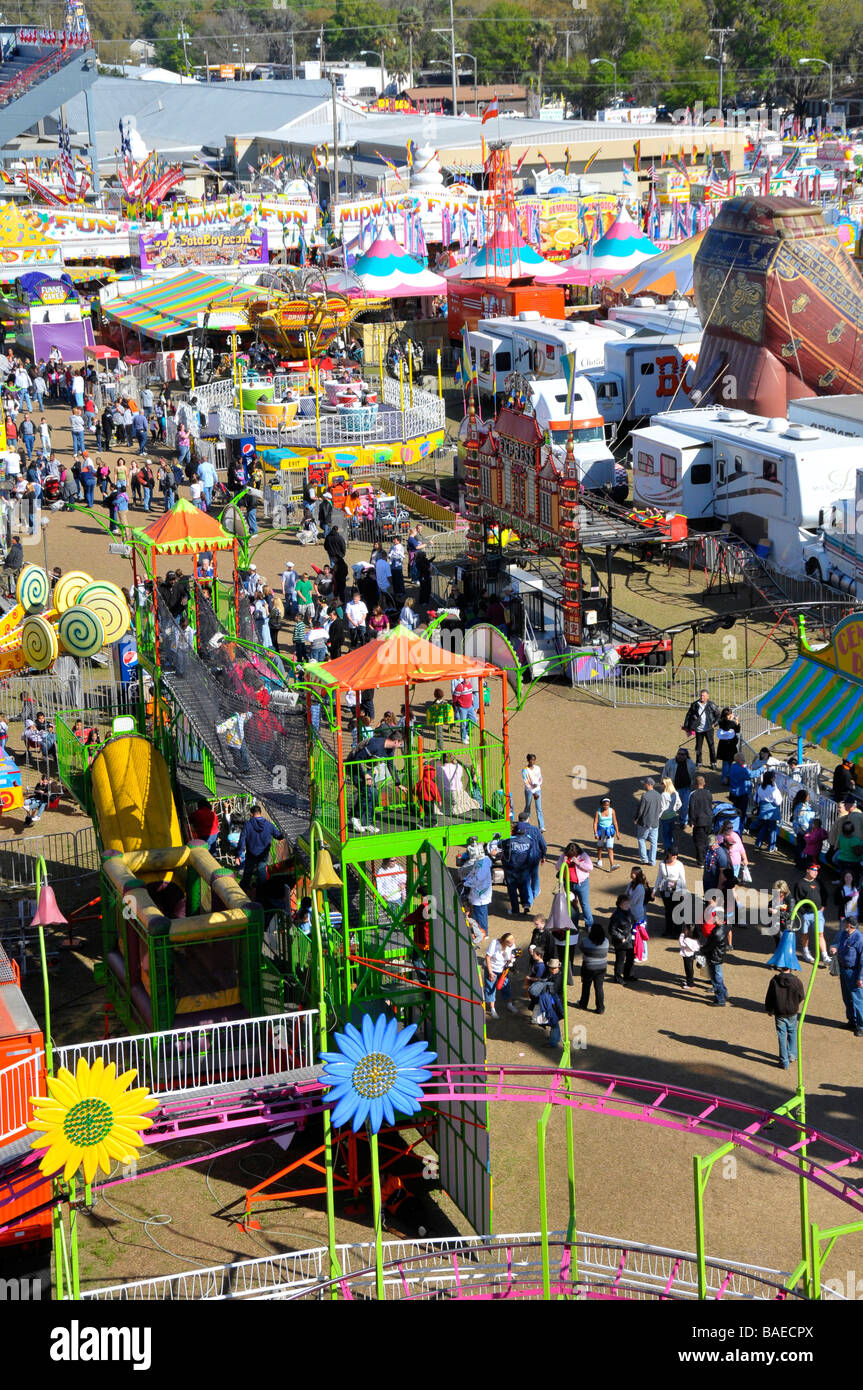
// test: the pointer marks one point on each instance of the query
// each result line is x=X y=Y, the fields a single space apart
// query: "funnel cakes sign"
x=848 y=646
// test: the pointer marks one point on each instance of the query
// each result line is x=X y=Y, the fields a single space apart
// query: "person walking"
x=336 y=548
x=550 y=999
x=802 y=816
x=88 y=479
x=714 y=947
x=499 y=959
x=671 y=804
x=593 y=944
x=579 y=866
x=538 y=853
x=76 y=425
x=727 y=740
x=12 y=566
x=848 y=949
x=256 y=839
x=690 y=945
x=462 y=699
x=701 y=719
x=606 y=831
x=478 y=883
x=700 y=818
x=739 y=786
x=515 y=857
x=810 y=888
x=647 y=822
x=670 y=886
x=785 y=995
x=681 y=769
x=531 y=776
x=768 y=811
x=621 y=934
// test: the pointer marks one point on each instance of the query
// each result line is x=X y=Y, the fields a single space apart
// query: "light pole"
x=454 y=74
x=829 y=66
x=720 y=35
x=709 y=58
x=475 y=83
x=379 y=54
x=593 y=63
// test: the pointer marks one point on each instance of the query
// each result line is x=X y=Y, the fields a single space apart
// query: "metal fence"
x=18 y=1083
x=647 y=1271
x=657 y=686
x=182 y=1060
x=68 y=854
x=84 y=687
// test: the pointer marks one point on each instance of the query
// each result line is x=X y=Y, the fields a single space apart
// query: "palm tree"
x=543 y=40
x=412 y=26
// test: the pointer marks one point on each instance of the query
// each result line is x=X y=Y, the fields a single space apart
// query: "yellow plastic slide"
x=132 y=797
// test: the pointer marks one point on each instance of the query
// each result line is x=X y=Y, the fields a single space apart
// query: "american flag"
x=67 y=164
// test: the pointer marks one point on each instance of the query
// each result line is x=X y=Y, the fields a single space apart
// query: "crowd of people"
x=700 y=919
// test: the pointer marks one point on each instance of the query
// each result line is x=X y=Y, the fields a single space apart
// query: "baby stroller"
x=723 y=811
x=308 y=532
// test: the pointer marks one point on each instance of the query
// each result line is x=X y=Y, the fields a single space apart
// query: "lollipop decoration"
x=81 y=632
x=87 y=615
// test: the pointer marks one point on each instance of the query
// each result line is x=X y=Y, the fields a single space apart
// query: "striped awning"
x=818 y=704
x=163 y=310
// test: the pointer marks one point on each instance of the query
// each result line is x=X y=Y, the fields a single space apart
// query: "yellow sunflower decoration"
x=89 y=1118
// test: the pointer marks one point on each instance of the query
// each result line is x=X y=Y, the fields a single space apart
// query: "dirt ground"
x=633 y=1180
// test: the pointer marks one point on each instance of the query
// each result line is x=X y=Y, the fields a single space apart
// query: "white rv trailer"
x=534 y=346
x=765 y=476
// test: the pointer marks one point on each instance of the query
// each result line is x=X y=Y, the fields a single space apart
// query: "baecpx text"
x=723 y=1334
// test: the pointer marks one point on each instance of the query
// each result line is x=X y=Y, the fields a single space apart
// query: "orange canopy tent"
x=184 y=530
x=401 y=658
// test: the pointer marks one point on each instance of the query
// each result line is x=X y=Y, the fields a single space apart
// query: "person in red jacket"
x=205 y=824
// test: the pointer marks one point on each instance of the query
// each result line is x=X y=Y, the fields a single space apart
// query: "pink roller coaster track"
x=777 y=1138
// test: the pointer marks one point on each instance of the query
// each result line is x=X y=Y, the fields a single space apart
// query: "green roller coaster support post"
x=73 y=1241
x=569 y=1118
x=818 y=1259
x=193 y=892
x=320 y=980
x=57 y=1237
x=541 y=1126
x=701 y=1169
x=377 y=1215
x=800 y=1098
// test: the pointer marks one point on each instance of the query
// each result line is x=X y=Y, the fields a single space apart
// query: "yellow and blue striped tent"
x=817 y=703
x=173 y=306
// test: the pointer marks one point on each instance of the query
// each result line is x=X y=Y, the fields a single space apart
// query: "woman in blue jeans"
x=768 y=811
x=499 y=959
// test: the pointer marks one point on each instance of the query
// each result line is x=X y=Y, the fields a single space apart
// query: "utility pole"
x=334 y=191
x=321 y=47
x=182 y=36
x=293 y=56
x=721 y=35
x=452 y=59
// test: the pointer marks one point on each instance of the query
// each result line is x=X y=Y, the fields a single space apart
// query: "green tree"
x=542 y=39
x=500 y=41
x=357 y=24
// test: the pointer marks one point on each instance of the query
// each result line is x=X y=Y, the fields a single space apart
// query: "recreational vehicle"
x=534 y=347
x=766 y=477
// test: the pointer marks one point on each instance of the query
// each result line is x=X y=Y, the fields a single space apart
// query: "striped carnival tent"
x=817 y=703
x=386 y=271
x=623 y=247
x=505 y=256
x=163 y=309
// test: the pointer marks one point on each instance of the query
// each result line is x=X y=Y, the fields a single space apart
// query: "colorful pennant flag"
x=491 y=110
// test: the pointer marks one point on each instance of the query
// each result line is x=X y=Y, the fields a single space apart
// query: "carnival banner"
x=180 y=246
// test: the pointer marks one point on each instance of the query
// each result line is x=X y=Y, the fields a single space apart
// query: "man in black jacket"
x=700 y=818
x=701 y=719
x=335 y=634
x=714 y=948
x=785 y=994
x=334 y=545
x=843 y=780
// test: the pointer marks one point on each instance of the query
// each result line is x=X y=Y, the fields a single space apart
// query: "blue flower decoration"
x=376 y=1072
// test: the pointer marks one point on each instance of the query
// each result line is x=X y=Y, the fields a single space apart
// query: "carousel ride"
x=301 y=316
